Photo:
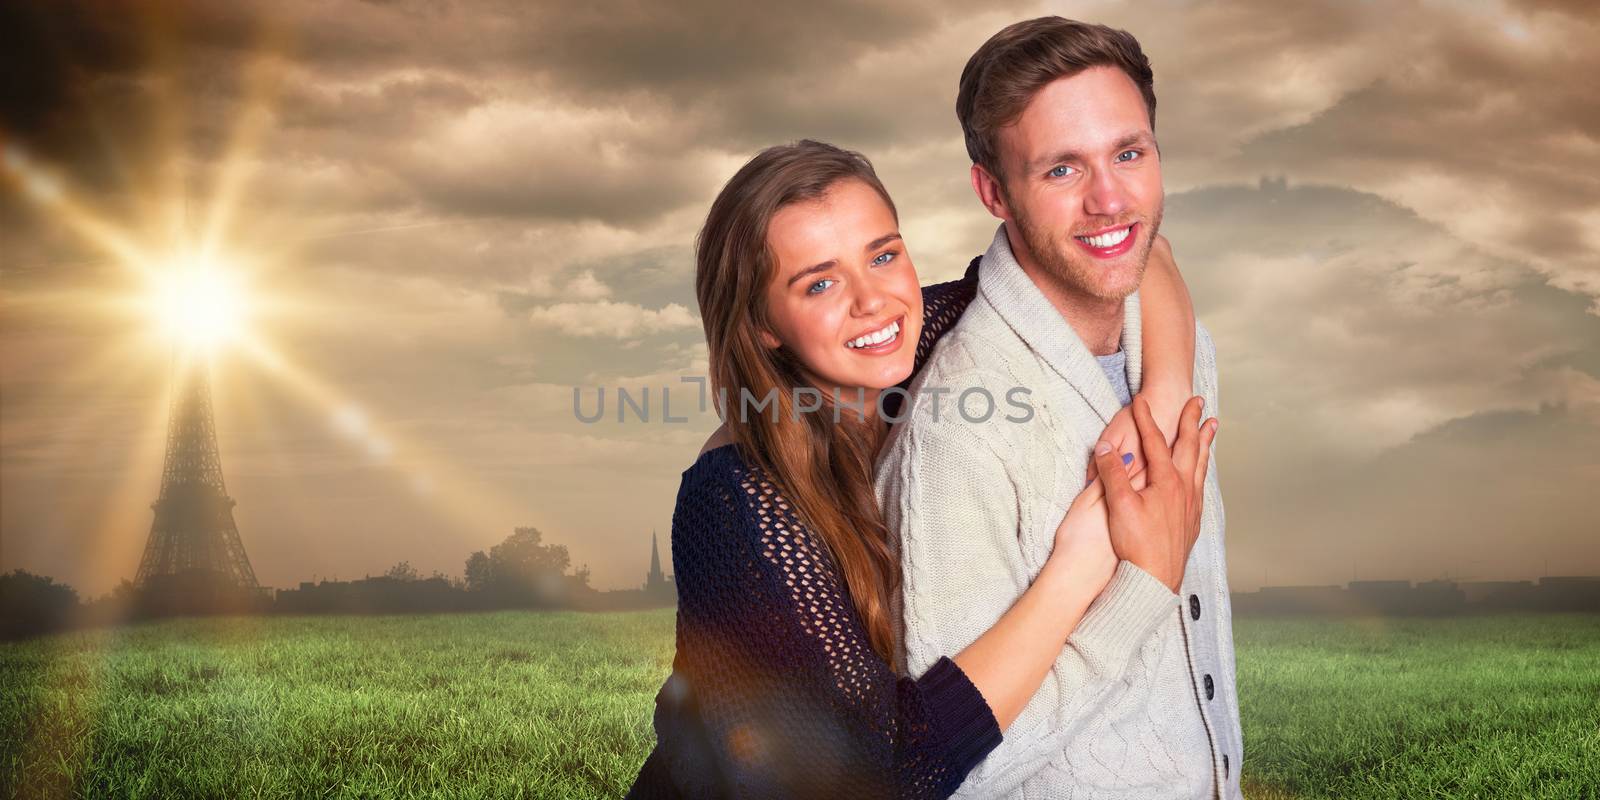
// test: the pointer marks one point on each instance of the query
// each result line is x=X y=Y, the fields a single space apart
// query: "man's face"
x=1082 y=182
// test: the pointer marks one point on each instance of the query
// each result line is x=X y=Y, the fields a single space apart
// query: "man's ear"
x=987 y=186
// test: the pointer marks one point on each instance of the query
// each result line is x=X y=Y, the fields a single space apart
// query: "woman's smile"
x=879 y=341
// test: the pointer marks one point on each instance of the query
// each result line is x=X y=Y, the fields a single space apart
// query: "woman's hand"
x=1083 y=541
x=1124 y=435
x=1124 y=438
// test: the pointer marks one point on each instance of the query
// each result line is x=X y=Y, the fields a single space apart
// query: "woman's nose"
x=868 y=299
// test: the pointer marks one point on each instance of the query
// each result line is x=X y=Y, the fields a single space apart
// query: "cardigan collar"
x=1042 y=328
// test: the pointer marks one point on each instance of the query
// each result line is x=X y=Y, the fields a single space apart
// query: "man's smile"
x=1109 y=243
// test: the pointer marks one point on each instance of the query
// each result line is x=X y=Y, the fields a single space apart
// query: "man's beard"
x=1063 y=258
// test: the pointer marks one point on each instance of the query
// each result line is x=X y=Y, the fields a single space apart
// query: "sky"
x=449 y=215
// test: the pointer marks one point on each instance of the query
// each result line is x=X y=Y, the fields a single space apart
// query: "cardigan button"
x=1194 y=606
x=1211 y=688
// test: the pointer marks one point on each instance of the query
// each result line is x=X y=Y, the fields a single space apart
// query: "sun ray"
x=46 y=189
x=238 y=158
x=138 y=479
x=480 y=509
x=173 y=266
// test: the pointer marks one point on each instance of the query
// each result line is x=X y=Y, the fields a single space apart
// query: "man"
x=1059 y=122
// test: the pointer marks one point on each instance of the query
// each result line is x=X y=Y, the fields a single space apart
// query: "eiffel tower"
x=193 y=532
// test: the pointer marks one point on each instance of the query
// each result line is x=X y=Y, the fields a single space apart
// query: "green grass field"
x=558 y=705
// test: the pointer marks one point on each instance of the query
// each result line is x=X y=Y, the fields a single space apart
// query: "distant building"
x=1556 y=593
x=1380 y=597
x=658 y=586
x=1570 y=592
x=1292 y=600
x=1505 y=593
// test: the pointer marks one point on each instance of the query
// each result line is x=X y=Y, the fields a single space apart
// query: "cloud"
x=493 y=203
x=582 y=286
x=1357 y=324
x=1490 y=495
x=1473 y=116
x=1386 y=388
x=612 y=319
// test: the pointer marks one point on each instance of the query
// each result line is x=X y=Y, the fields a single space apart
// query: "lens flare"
x=199 y=304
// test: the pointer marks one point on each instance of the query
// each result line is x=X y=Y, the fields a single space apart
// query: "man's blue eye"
x=883 y=258
x=814 y=289
x=1134 y=153
x=1059 y=172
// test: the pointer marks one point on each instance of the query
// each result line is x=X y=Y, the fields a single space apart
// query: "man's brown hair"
x=1005 y=73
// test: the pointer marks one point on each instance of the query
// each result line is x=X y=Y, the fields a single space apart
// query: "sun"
x=198 y=303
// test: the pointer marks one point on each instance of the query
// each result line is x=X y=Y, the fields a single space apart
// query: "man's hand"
x=1155 y=527
x=1123 y=436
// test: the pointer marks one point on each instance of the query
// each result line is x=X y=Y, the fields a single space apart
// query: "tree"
x=403 y=571
x=478 y=576
x=521 y=559
x=523 y=569
x=30 y=602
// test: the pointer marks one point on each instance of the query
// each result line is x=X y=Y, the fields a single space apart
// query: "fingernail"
x=1102 y=448
x=1127 y=458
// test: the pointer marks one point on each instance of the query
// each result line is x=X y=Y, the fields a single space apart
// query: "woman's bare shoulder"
x=719 y=437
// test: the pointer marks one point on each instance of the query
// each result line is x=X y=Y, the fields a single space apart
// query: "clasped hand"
x=1147 y=512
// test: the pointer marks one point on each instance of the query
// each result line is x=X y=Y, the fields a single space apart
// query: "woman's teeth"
x=876 y=337
x=1108 y=239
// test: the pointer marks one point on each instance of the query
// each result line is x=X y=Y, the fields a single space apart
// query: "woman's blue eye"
x=814 y=289
x=883 y=258
x=1059 y=172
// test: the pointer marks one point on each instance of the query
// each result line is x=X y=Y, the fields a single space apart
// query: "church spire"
x=655 y=558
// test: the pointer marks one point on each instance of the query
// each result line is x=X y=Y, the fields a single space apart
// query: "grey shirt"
x=1116 y=369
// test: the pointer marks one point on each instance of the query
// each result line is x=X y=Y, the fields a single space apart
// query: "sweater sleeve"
x=784 y=696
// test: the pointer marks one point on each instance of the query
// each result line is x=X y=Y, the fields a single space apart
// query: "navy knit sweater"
x=775 y=690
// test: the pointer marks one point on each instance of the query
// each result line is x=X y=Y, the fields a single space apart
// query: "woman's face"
x=844 y=297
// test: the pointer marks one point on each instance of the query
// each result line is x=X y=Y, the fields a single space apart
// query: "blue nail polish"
x=1127 y=458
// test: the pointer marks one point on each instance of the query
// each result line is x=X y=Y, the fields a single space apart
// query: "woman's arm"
x=1166 y=334
x=1167 y=339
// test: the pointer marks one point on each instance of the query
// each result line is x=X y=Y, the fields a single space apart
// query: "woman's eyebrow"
x=881 y=241
x=829 y=264
x=834 y=262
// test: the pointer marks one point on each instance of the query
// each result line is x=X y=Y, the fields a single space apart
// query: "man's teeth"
x=876 y=337
x=1109 y=239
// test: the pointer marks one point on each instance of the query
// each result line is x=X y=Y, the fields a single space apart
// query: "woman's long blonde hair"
x=823 y=468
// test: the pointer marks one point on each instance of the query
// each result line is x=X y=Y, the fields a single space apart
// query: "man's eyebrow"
x=829 y=264
x=1127 y=140
x=1135 y=138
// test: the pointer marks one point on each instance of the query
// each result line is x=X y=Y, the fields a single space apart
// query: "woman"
x=782 y=685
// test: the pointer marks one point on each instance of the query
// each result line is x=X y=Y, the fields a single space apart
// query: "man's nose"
x=1107 y=197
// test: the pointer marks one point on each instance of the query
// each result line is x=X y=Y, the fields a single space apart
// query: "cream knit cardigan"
x=1124 y=711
